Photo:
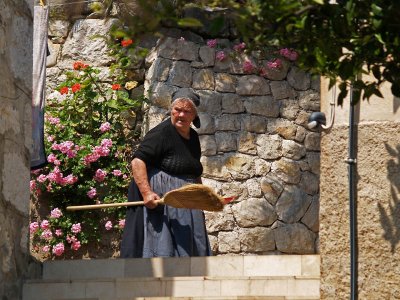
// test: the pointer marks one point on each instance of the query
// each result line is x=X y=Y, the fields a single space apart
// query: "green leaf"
x=379 y=38
x=190 y=22
x=321 y=2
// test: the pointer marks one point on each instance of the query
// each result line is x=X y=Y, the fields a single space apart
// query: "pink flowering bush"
x=86 y=134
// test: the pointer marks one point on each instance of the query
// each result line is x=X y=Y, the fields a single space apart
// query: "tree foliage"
x=338 y=39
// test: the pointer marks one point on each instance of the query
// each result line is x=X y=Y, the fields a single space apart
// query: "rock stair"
x=272 y=277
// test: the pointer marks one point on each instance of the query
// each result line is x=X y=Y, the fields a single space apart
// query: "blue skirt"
x=164 y=231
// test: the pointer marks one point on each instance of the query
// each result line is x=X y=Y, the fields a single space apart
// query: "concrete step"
x=232 y=277
x=263 y=265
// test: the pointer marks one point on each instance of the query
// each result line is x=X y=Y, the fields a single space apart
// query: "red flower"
x=116 y=86
x=79 y=65
x=76 y=87
x=64 y=90
x=126 y=43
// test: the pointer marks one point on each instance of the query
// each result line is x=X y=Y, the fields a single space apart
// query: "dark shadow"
x=396 y=104
x=390 y=220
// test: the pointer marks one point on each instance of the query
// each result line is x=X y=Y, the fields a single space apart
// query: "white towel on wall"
x=40 y=22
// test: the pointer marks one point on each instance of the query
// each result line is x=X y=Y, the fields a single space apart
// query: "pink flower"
x=239 y=47
x=274 y=64
x=71 y=239
x=33 y=227
x=46 y=249
x=212 y=43
x=46 y=234
x=76 y=245
x=101 y=151
x=64 y=147
x=55 y=213
x=92 y=193
x=58 y=249
x=45 y=224
x=70 y=179
x=50 y=138
x=124 y=176
x=58 y=232
x=220 y=55
x=108 y=225
x=41 y=178
x=105 y=127
x=76 y=228
x=55 y=176
x=57 y=162
x=71 y=153
x=290 y=54
x=121 y=223
x=32 y=185
x=51 y=158
x=90 y=158
x=117 y=172
x=248 y=66
x=106 y=143
x=100 y=175
x=53 y=120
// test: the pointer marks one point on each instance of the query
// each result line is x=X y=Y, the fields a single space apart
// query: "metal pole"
x=351 y=161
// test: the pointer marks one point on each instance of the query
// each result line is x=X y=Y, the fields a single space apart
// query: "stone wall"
x=254 y=137
x=378 y=200
x=15 y=138
x=255 y=144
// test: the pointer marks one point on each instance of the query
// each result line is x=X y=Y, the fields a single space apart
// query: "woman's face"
x=182 y=114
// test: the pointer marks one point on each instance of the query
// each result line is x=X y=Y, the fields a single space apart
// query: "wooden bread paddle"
x=193 y=196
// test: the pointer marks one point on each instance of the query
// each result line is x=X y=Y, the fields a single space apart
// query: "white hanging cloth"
x=40 y=23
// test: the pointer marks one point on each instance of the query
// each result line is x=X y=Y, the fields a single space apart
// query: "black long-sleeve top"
x=164 y=148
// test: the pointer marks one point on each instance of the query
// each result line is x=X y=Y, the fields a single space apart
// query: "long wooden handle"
x=108 y=205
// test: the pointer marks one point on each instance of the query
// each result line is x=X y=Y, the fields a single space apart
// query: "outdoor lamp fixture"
x=318 y=119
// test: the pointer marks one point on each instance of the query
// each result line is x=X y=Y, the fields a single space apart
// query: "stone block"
x=180 y=74
x=208 y=145
x=275 y=265
x=203 y=79
x=252 y=85
x=227 y=122
x=226 y=141
x=256 y=124
x=254 y=212
x=294 y=239
x=81 y=46
x=178 y=50
x=257 y=239
x=272 y=188
x=292 y=204
x=269 y=146
x=293 y=150
x=262 y=105
x=232 y=103
x=299 y=79
x=225 y=82
x=282 y=90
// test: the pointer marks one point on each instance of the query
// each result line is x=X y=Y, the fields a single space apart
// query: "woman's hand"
x=149 y=199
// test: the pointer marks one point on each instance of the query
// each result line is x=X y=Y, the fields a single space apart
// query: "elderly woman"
x=167 y=158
